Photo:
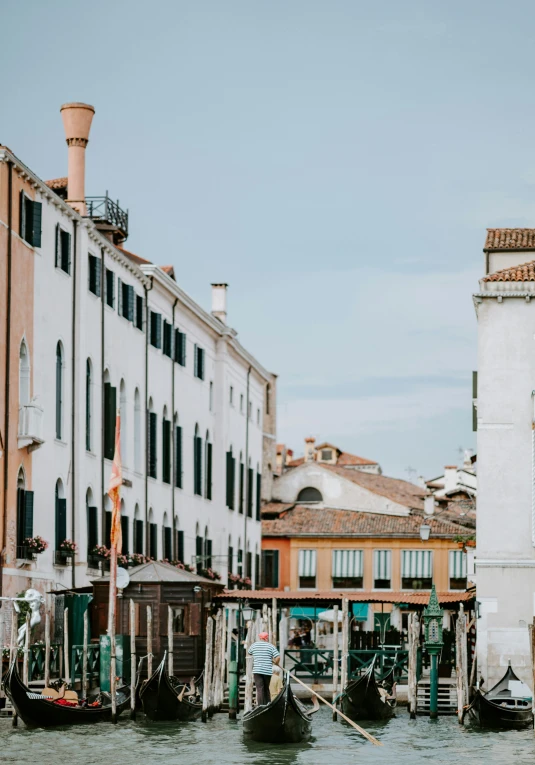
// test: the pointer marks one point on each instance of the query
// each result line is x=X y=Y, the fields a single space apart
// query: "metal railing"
x=105 y=210
x=93 y=662
x=36 y=661
x=316 y=664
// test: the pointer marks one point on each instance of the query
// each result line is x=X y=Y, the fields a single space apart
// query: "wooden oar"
x=362 y=732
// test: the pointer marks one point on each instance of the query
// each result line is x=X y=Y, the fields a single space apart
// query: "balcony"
x=30 y=426
x=108 y=217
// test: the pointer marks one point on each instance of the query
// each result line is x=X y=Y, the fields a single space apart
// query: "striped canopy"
x=348 y=563
x=457 y=564
x=417 y=564
x=307 y=562
x=382 y=564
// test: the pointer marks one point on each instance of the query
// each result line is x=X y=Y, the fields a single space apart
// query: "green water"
x=220 y=742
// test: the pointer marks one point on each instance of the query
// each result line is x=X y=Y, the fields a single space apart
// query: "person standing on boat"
x=265 y=655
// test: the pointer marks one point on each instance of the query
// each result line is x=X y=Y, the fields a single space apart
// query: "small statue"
x=34 y=600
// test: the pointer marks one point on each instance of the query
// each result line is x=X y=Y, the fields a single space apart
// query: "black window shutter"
x=166 y=451
x=119 y=297
x=58 y=249
x=178 y=456
x=250 y=489
x=152 y=455
x=139 y=537
x=28 y=514
x=92 y=529
x=20 y=517
x=183 y=348
x=195 y=361
x=208 y=471
x=199 y=546
x=258 y=495
x=197 y=465
x=229 y=479
x=180 y=546
x=61 y=521
x=130 y=303
x=66 y=252
x=153 y=540
x=201 y=363
x=110 y=409
x=22 y=215
x=158 y=330
x=37 y=212
x=167 y=539
x=98 y=276
x=124 y=532
x=230 y=559
x=208 y=553
x=91 y=273
x=242 y=472
x=107 y=529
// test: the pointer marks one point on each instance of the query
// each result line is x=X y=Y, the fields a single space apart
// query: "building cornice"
x=508 y=563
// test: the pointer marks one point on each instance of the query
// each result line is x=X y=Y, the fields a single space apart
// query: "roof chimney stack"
x=77 y=120
x=310 y=449
x=219 y=302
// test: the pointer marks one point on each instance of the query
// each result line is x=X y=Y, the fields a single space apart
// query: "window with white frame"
x=382 y=569
x=307 y=569
x=457 y=570
x=416 y=569
x=348 y=568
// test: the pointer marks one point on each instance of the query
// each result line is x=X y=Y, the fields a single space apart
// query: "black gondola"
x=365 y=699
x=283 y=721
x=508 y=704
x=163 y=699
x=38 y=712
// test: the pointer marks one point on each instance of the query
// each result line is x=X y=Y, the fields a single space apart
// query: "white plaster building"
x=505 y=562
x=112 y=330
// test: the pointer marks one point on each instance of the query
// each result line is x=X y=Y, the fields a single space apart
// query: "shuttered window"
x=139 y=312
x=347 y=568
x=63 y=249
x=199 y=553
x=307 y=568
x=110 y=413
x=166 y=451
x=416 y=569
x=250 y=478
x=95 y=266
x=107 y=529
x=24 y=516
x=167 y=543
x=199 y=362
x=180 y=546
x=138 y=537
x=92 y=529
x=197 y=465
x=180 y=348
x=30 y=220
x=109 y=286
x=258 y=495
x=270 y=569
x=59 y=391
x=126 y=300
x=208 y=487
x=458 y=570
x=242 y=476
x=156 y=329
x=167 y=339
x=88 y=405
x=231 y=469
x=152 y=452
x=240 y=562
x=125 y=534
x=230 y=557
x=249 y=564
x=208 y=553
x=178 y=456
x=382 y=568
x=61 y=520
x=153 y=540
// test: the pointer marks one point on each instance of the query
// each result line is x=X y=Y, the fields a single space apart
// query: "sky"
x=335 y=162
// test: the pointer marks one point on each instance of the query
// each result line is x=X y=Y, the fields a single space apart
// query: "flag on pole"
x=114 y=490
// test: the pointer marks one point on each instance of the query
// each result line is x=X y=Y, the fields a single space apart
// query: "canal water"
x=220 y=742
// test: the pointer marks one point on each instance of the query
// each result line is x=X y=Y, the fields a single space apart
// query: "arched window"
x=92 y=526
x=153 y=430
x=24 y=512
x=124 y=424
x=59 y=390
x=177 y=453
x=208 y=470
x=167 y=538
x=207 y=549
x=166 y=447
x=309 y=494
x=125 y=529
x=250 y=478
x=197 y=462
x=153 y=536
x=231 y=477
x=179 y=536
x=88 y=395
x=138 y=531
x=61 y=514
x=137 y=431
x=24 y=375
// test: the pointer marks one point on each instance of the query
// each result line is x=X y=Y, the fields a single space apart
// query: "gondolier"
x=265 y=655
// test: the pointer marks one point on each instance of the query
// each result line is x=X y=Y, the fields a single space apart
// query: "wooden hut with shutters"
x=160 y=585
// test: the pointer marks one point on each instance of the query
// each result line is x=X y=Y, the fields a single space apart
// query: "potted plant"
x=32 y=546
x=137 y=559
x=183 y=566
x=209 y=573
x=68 y=548
x=465 y=541
x=102 y=552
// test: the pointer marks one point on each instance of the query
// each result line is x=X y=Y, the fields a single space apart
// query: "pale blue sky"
x=335 y=162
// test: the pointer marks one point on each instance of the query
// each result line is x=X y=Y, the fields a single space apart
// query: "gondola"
x=163 y=699
x=365 y=699
x=38 y=712
x=508 y=704
x=283 y=721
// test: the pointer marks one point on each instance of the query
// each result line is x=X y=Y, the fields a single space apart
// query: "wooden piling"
x=335 y=658
x=26 y=656
x=461 y=662
x=133 y=660
x=149 y=642
x=274 y=621
x=414 y=639
x=66 y=656
x=216 y=666
x=13 y=644
x=47 y=648
x=170 y=639
x=345 y=643
x=269 y=627
x=283 y=635
x=223 y=660
x=207 y=679
x=84 y=655
x=249 y=640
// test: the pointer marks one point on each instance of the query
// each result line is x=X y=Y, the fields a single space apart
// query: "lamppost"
x=433 y=642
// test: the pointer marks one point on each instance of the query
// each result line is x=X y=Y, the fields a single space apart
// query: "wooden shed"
x=160 y=585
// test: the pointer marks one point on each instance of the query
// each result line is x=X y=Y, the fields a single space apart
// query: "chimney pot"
x=77 y=120
x=219 y=301
x=310 y=449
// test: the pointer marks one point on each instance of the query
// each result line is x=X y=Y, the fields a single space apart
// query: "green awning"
x=305 y=612
x=360 y=611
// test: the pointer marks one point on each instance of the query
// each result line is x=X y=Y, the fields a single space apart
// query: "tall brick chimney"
x=77 y=120
x=219 y=301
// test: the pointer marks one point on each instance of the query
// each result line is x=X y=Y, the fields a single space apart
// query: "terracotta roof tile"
x=315 y=521
x=57 y=183
x=522 y=273
x=402 y=492
x=510 y=239
x=357 y=596
x=136 y=258
x=275 y=508
x=346 y=458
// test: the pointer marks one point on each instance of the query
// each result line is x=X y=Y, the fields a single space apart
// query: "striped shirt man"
x=263 y=654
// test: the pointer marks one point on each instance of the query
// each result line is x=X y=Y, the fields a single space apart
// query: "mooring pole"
x=233 y=681
x=133 y=661
x=433 y=696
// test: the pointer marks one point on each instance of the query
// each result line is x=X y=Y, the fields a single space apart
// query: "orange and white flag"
x=114 y=490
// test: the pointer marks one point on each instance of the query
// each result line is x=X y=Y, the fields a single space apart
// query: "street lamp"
x=433 y=642
x=425 y=531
